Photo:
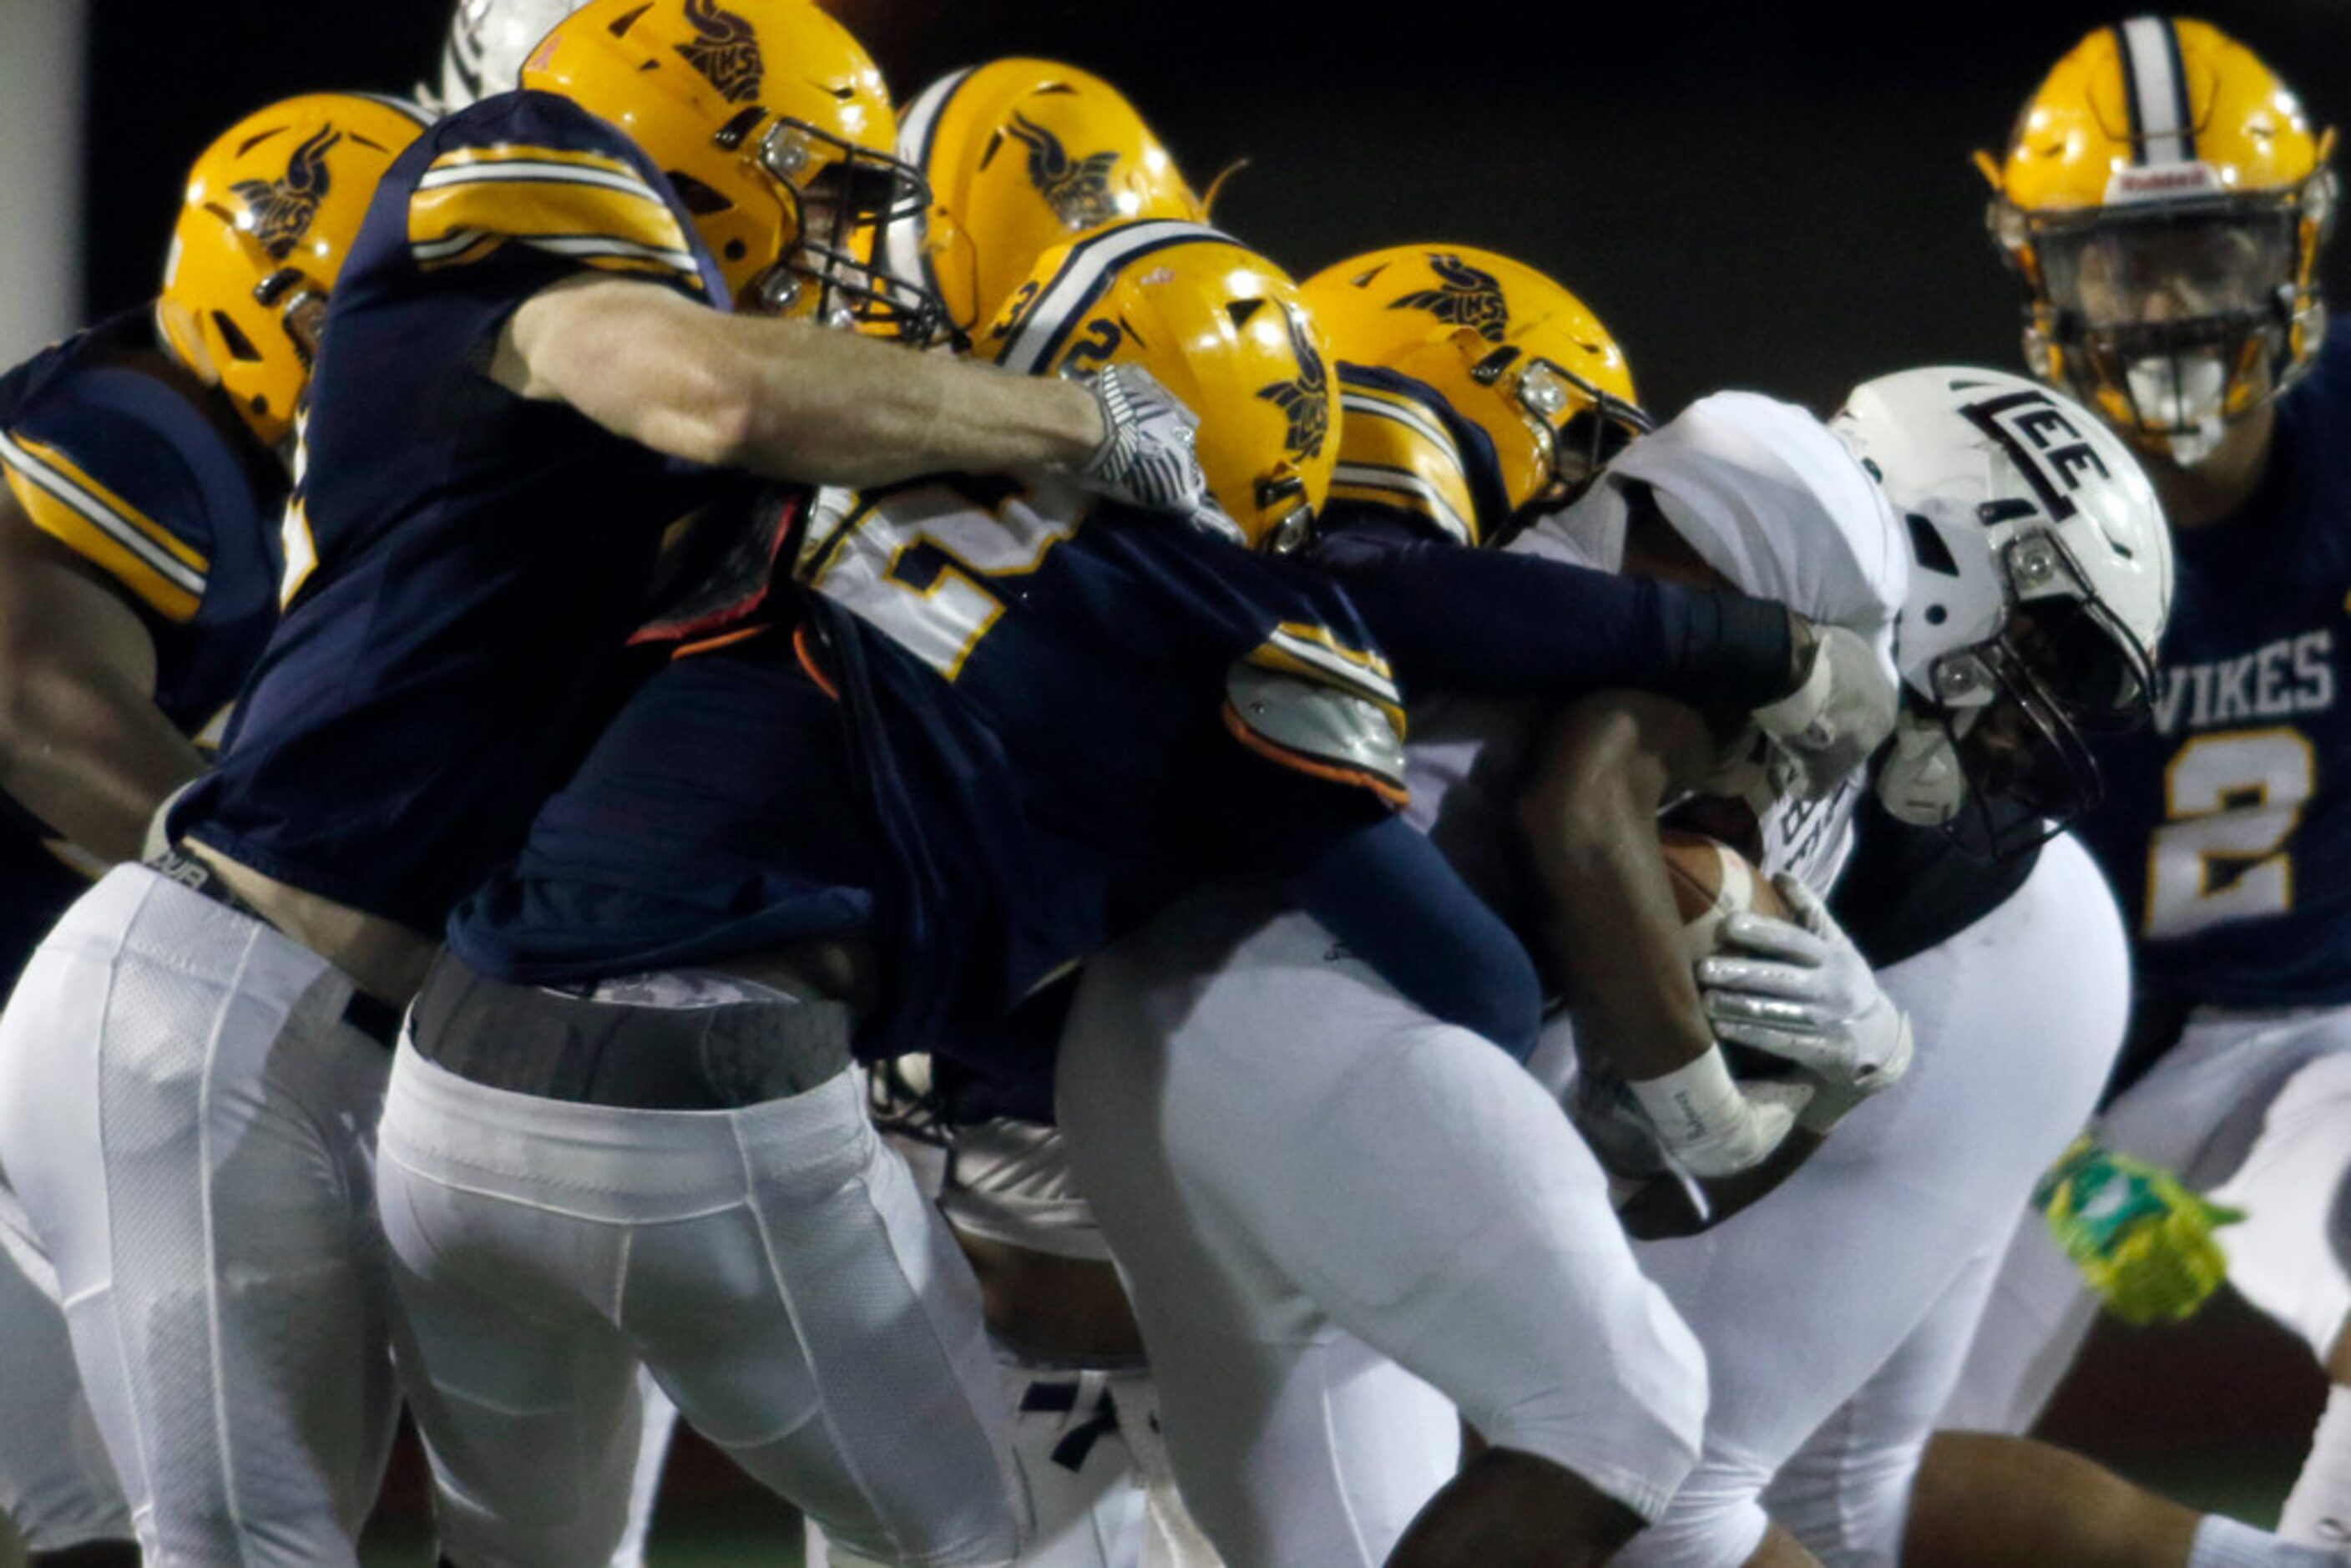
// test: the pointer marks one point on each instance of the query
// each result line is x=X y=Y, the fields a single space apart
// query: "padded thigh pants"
x=56 y=1486
x=1321 y=1197
x=773 y=1266
x=190 y=1126
x=1836 y=1308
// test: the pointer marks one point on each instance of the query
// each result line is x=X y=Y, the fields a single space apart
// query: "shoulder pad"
x=120 y=468
x=534 y=170
x=1402 y=451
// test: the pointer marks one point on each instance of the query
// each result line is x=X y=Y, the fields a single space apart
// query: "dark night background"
x=1769 y=195
x=1765 y=194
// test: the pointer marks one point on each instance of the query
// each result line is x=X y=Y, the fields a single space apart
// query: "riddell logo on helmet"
x=2162 y=181
x=280 y=210
x=726 y=53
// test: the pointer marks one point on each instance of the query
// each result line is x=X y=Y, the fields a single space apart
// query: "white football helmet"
x=488 y=41
x=2040 y=581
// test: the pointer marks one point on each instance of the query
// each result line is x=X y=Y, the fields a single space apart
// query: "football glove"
x=1810 y=999
x=1147 y=456
x=2144 y=1240
x=1823 y=731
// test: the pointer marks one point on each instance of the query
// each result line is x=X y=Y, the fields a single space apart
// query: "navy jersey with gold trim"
x=2226 y=827
x=998 y=737
x=462 y=566
x=114 y=450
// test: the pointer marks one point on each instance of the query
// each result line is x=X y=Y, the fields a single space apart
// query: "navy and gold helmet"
x=774 y=126
x=266 y=219
x=1223 y=329
x=1507 y=349
x=2163 y=199
x=1023 y=155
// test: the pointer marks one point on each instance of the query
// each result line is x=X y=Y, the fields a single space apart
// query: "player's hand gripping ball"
x=1793 y=986
x=2144 y=1240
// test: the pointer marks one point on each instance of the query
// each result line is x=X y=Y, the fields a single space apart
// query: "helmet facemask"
x=841 y=197
x=2018 y=711
x=1578 y=425
x=2175 y=320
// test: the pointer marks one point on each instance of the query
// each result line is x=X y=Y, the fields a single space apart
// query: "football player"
x=1321 y=1195
x=720 y=836
x=2164 y=201
x=1022 y=156
x=483 y=55
x=546 y=334
x=1835 y=1312
x=146 y=465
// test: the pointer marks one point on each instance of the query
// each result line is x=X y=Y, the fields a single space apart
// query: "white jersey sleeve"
x=1771 y=498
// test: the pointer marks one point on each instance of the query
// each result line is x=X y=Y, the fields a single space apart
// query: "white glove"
x=1818 y=1005
x=1147 y=457
x=1711 y=1124
x=1826 y=728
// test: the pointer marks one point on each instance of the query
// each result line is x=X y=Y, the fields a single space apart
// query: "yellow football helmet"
x=774 y=127
x=1223 y=329
x=1510 y=350
x=1022 y=155
x=2163 y=200
x=267 y=217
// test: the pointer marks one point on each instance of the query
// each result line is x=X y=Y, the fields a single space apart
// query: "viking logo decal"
x=1469 y=297
x=1078 y=193
x=726 y=53
x=281 y=210
x=1306 y=402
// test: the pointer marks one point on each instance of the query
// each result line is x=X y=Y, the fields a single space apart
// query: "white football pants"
x=1837 y=1309
x=1096 y=1471
x=57 y=1487
x=189 y=1123
x=1312 y=1187
x=2253 y=1108
x=774 y=1267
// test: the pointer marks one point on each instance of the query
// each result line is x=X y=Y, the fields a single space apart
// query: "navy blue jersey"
x=462 y=566
x=2226 y=828
x=1033 y=744
x=113 y=449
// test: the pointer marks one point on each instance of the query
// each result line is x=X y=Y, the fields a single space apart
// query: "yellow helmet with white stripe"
x=266 y=218
x=1506 y=348
x=1223 y=329
x=2163 y=200
x=1023 y=155
x=775 y=128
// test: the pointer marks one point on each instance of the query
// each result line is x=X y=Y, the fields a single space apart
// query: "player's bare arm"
x=782 y=396
x=1612 y=932
x=82 y=744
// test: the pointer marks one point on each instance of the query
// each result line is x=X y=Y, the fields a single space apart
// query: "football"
x=1710 y=880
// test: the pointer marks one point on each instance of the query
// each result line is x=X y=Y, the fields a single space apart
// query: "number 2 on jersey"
x=2231 y=803
x=924 y=565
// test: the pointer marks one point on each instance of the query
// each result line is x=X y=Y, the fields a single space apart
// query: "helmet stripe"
x=1086 y=274
x=2157 y=90
x=917 y=129
x=2184 y=111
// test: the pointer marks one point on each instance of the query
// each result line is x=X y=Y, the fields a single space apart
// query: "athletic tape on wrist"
x=1693 y=1104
